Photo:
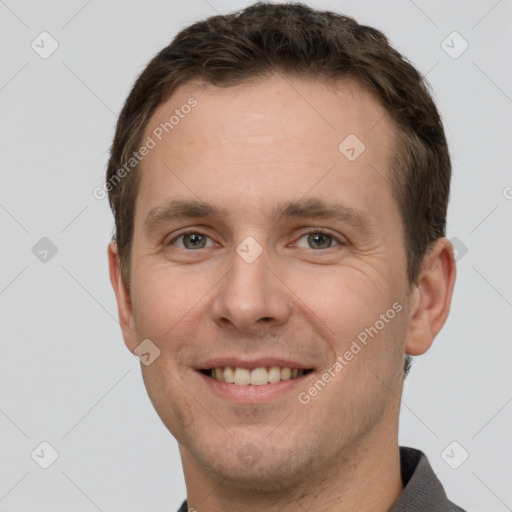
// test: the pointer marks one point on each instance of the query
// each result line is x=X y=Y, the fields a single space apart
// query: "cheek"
x=163 y=300
x=177 y=410
x=343 y=298
x=360 y=321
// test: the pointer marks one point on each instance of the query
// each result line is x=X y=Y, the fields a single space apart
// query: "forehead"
x=276 y=137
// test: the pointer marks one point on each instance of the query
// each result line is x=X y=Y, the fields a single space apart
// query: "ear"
x=124 y=304
x=430 y=303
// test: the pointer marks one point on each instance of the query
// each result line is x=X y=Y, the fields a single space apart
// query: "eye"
x=192 y=240
x=318 y=240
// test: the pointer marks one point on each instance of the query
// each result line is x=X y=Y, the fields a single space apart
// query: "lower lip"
x=253 y=394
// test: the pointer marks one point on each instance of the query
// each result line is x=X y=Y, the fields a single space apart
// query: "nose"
x=251 y=297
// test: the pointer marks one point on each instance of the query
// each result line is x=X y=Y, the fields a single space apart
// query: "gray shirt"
x=423 y=491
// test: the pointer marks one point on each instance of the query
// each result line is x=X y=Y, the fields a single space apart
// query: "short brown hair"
x=297 y=40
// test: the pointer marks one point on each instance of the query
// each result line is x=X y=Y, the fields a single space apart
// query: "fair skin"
x=246 y=151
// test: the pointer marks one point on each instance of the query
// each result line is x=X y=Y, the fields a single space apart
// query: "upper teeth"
x=256 y=377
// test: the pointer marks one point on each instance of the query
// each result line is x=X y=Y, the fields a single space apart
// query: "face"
x=262 y=244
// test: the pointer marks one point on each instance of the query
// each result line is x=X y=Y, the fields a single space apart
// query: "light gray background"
x=66 y=377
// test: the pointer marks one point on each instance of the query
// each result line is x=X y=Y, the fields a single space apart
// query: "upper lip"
x=252 y=362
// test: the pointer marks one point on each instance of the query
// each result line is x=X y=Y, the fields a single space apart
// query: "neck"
x=366 y=477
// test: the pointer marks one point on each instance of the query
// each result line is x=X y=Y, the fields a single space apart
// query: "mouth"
x=257 y=376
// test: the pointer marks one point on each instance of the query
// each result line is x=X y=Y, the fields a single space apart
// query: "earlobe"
x=124 y=304
x=431 y=303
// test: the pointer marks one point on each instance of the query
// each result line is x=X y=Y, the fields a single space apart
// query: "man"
x=279 y=180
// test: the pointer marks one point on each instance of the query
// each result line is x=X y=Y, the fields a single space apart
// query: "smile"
x=258 y=376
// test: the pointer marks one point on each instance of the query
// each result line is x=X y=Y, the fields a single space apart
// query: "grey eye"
x=192 y=241
x=320 y=240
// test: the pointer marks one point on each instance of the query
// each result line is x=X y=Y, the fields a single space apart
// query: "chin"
x=255 y=466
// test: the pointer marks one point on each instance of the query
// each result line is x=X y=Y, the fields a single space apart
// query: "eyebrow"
x=310 y=208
